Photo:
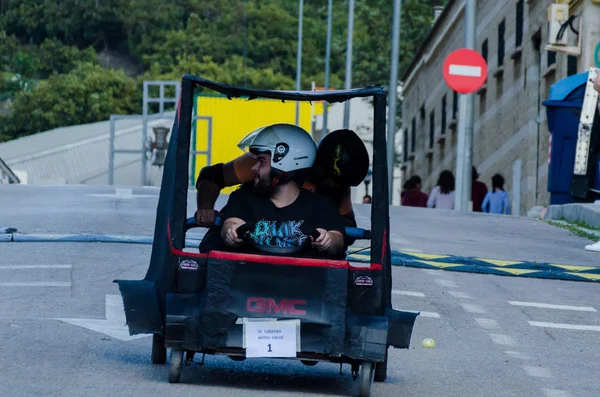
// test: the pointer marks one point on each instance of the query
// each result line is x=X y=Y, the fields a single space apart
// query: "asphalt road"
x=495 y=336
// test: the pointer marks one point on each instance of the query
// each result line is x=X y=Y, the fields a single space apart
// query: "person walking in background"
x=496 y=201
x=442 y=196
x=478 y=191
x=414 y=197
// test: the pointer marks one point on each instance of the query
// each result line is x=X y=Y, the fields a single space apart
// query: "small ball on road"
x=428 y=343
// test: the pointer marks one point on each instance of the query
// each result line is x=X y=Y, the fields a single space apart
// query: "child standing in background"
x=496 y=201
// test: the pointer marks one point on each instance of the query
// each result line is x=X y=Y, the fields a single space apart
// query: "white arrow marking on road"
x=126 y=194
x=464 y=70
x=114 y=324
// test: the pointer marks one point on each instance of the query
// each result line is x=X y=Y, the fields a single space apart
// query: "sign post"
x=465 y=71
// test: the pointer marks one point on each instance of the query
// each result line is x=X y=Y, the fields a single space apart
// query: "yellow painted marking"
x=498 y=262
x=441 y=265
x=426 y=256
x=360 y=256
x=575 y=268
x=587 y=276
x=518 y=272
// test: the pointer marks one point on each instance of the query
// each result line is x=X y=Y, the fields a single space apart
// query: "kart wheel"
x=175 y=366
x=367 y=371
x=381 y=370
x=159 y=351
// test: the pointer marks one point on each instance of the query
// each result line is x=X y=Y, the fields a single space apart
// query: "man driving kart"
x=342 y=161
x=281 y=214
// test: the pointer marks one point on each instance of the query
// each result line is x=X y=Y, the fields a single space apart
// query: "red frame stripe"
x=269 y=259
x=279 y=260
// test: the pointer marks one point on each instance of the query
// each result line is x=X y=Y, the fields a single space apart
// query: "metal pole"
x=299 y=57
x=393 y=97
x=464 y=161
x=144 y=131
x=327 y=56
x=348 y=83
x=111 y=158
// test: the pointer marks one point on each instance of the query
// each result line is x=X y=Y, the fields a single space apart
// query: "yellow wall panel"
x=233 y=119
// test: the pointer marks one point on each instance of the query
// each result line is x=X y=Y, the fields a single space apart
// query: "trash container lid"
x=560 y=91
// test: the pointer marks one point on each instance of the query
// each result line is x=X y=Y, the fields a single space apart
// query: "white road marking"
x=434 y=272
x=487 y=323
x=519 y=355
x=537 y=372
x=35 y=284
x=555 y=393
x=549 y=306
x=424 y=314
x=473 y=308
x=465 y=70
x=502 y=339
x=408 y=293
x=446 y=283
x=565 y=326
x=114 y=324
x=460 y=295
x=24 y=267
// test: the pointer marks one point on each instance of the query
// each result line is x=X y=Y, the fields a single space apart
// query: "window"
x=571 y=65
x=520 y=23
x=431 y=128
x=443 y=129
x=501 y=30
x=405 y=145
x=413 y=138
x=484 y=50
x=454 y=105
x=551 y=58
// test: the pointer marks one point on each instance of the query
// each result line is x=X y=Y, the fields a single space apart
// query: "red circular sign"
x=465 y=71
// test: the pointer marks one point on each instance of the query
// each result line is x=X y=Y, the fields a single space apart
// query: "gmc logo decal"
x=269 y=305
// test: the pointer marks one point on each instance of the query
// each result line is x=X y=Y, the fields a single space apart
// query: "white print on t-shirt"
x=286 y=235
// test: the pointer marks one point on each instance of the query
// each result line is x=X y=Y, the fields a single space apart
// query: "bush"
x=89 y=93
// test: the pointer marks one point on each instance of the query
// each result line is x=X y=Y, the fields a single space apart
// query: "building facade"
x=510 y=134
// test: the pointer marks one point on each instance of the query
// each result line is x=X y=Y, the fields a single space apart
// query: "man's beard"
x=263 y=185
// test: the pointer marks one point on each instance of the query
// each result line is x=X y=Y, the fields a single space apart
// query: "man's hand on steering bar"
x=323 y=243
x=228 y=232
x=206 y=217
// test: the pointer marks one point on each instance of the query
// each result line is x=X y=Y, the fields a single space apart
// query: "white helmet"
x=291 y=147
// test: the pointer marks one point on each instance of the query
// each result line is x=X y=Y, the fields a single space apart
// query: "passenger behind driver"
x=282 y=214
x=342 y=161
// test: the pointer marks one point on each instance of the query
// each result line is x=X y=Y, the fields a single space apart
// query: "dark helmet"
x=343 y=156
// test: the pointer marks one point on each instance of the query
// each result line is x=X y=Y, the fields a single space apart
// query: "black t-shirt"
x=284 y=231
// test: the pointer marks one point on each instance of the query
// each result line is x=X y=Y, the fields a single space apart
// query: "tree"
x=87 y=94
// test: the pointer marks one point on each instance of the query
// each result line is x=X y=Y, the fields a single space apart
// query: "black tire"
x=175 y=365
x=366 y=378
x=381 y=369
x=159 y=351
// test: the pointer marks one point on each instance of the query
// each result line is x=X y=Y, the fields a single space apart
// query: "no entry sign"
x=465 y=71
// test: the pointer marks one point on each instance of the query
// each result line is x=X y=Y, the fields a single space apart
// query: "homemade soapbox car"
x=249 y=305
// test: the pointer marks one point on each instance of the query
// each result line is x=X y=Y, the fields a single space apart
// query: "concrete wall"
x=510 y=123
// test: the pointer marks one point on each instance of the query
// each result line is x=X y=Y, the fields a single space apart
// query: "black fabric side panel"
x=142 y=311
x=400 y=327
x=366 y=337
x=380 y=213
x=335 y=297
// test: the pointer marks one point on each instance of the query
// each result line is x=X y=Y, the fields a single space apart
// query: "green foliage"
x=242 y=42
x=55 y=57
x=88 y=93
